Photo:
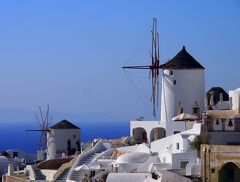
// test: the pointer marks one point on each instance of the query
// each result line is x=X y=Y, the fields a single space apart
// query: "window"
x=183 y=164
x=230 y=103
x=213 y=170
x=15 y=154
x=74 y=136
x=181 y=110
x=164 y=159
x=195 y=110
x=177 y=146
x=176 y=132
x=170 y=72
x=174 y=82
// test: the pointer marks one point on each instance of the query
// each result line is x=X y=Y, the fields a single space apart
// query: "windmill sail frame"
x=154 y=67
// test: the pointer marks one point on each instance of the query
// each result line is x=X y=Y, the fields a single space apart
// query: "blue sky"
x=69 y=53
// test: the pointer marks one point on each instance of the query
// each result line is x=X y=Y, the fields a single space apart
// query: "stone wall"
x=13 y=179
x=215 y=157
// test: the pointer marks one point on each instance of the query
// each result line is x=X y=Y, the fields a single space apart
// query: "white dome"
x=133 y=157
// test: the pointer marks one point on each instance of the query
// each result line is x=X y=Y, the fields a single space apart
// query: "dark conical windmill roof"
x=183 y=60
x=64 y=124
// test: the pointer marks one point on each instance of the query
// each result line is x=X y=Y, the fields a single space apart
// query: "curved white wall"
x=58 y=138
x=189 y=88
x=234 y=96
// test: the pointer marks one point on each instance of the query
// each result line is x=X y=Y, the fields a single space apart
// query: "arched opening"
x=139 y=135
x=230 y=172
x=157 y=133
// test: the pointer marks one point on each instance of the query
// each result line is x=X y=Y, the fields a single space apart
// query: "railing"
x=102 y=173
x=104 y=155
x=96 y=148
x=31 y=173
x=63 y=167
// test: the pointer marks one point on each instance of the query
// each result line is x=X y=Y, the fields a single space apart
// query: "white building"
x=223 y=123
x=21 y=155
x=63 y=139
x=163 y=150
x=16 y=157
x=234 y=99
x=183 y=90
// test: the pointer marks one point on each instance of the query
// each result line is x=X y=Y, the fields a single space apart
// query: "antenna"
x=44 y=123
x=154 y=67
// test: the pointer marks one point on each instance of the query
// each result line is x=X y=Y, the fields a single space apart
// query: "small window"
x=181 y=110
x=15 y=154
x=196 y=110
x=213 y=170
x=230 y=102
x=174 y=82
x=176 y=132
x=74 y=136
x=164 y=159
x=183 y=164
x=170 y=72
x=177 y=146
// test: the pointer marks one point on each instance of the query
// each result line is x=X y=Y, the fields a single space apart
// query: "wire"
x=141 y=43
x=142 y=96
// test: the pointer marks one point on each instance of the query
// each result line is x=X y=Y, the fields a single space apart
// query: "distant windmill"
x=44 y=123
x=153 y=67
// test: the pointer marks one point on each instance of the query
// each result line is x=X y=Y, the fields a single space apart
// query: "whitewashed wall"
x=147 y=125
x=58 y=138
x=189 y=88
x=235 y=95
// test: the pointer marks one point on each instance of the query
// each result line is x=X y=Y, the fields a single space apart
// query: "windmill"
x=153 y=67
x=44 y=123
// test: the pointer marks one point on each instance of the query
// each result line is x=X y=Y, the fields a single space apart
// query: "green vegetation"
x=198 y=140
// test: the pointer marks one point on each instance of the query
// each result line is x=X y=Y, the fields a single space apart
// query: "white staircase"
x=76 y=175
x=80 y=167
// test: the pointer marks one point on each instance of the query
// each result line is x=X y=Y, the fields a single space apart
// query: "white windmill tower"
x=183 y=90
x=63 y=139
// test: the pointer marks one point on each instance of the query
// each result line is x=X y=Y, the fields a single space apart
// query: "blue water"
x=15 y=136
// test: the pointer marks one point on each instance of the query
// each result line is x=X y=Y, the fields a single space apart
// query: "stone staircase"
x=63 y=176
x=39 y=175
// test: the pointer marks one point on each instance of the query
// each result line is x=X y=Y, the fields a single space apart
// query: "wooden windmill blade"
x=153 y=67
x=44 y=123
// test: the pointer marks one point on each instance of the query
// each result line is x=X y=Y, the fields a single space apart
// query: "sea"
x=14 y=135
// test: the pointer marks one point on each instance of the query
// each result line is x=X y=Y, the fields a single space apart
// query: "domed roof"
x=215 y=93
x=133 y=157
x=183 y=60
x=64 y=124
